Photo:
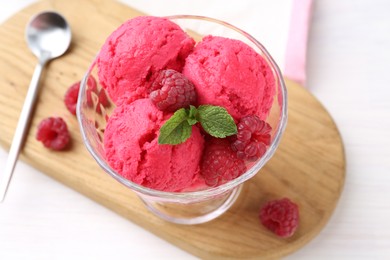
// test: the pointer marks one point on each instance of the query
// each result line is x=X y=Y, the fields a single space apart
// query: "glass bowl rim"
x=212 y=191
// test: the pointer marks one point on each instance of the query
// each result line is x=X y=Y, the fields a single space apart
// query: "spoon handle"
x=21 y=130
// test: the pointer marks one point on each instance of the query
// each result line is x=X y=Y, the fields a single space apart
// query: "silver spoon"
x=48 y=36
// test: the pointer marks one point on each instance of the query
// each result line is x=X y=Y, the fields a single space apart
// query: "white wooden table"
x=348 y=70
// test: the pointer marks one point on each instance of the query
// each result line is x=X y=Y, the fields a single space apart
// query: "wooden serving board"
x=308 y=167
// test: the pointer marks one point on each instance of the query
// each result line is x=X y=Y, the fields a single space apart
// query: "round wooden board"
x=308 y=167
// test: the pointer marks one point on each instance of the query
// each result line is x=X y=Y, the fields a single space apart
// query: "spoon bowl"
x=48 y=33
x=48 y=36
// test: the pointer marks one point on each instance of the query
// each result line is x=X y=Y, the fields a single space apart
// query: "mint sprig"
x=215 y=120
x=176 y=130
x=192 y=115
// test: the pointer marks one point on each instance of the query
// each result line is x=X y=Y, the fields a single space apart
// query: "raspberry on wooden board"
x=53 y=133
x=280 y=216
x=72 y=94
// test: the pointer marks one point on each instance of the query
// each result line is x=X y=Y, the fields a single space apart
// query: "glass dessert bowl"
x=193 y=205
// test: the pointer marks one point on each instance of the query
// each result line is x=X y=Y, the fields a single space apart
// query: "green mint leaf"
x=192 y=112
x=192 y=121
x=192 y=115
x=216 y=121
x=176 y=130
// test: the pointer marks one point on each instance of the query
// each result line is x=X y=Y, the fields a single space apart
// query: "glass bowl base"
x=193 y=213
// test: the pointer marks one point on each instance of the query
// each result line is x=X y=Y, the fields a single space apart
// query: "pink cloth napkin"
x=295 y=62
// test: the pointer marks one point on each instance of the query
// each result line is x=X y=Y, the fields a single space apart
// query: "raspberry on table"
x=71 y=97
x=72 y=94
x=252 y=139
x=280 y=216
x=171 y=90
x=219 y=163
x=53 y=133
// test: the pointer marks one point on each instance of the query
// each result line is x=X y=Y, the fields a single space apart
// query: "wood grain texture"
x=308 y=167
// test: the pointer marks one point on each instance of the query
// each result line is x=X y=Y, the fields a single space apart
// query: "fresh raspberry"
x=252 y=138
x=171 y=90
x=53 y=133
x=280 y=216
x=219 y=163
x=72 y=94
x=71 y=97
